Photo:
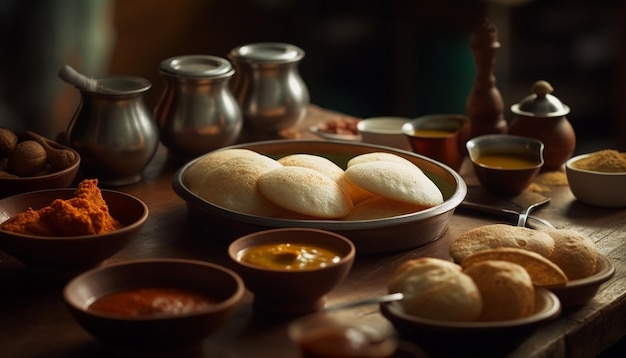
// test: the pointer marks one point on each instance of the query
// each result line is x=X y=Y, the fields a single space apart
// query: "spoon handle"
x=367 y=301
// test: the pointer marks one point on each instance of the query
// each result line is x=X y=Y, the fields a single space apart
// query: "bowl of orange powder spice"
x=58 y=233
x=598 y=178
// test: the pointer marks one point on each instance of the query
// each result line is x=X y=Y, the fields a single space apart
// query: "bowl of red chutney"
x=158 y=307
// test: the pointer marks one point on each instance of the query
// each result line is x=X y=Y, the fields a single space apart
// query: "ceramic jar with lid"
x=543 y=116
x=197 y=111
x=269 y=89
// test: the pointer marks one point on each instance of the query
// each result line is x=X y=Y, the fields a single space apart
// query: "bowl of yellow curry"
x=291 y=270
x=58 y=233
x=505 y=164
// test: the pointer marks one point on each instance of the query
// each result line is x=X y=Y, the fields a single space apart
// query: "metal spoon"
x=507 y=212
x=68 y=74
x=523 y=215
x=367 y=301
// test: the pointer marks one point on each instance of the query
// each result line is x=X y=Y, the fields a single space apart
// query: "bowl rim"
x=362 y=126
x=408 y=128
x=471 y=144
x=348 y=257
x=599 y=277
x=450 y=203
x=127 y=228
x=551 y=310
x=570 y=161
x=228 y=302
x=335 y=136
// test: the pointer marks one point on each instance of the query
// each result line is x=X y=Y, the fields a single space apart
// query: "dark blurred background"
x=371 y=57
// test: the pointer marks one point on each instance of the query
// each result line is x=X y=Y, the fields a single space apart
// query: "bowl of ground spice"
x=598 y=178
x=58 y=233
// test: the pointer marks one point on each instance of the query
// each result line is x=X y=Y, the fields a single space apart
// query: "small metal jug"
x=197 y=111
x=268 y=86
x=114 y=131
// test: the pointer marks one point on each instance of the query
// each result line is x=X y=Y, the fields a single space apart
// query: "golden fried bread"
x=437 y=289
x=574 y=253
x=542 y=271
x=506 y=289
x=501 y=235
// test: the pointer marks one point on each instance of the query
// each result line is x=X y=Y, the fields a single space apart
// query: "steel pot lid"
x=198 y=66
x=267 y=52
x=540 y=103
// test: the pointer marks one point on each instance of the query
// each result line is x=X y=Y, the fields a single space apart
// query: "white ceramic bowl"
x=384 y=131
x=596 y=188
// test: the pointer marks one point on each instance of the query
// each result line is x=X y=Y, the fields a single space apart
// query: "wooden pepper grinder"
x=484 y=106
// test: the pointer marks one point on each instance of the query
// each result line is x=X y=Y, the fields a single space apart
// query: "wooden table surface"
x=35 y=323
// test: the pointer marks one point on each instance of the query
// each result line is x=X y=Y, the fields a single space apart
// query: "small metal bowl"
x=506 y=180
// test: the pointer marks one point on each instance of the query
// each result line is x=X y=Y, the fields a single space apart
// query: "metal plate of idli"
x=369 y=236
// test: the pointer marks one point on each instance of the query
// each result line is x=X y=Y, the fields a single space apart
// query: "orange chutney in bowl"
x=289 y=256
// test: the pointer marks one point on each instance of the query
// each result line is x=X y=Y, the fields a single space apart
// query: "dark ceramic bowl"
x=63 y=257
x=60 y=179
x=505 y=180
x=578 y=292
x=369 y=236
x=492 y=338
x=172 y=335
x=291 y=291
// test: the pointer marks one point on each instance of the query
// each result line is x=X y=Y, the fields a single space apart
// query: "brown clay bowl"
x=291 y=291
x=369 y=236
x=578 y=292
x=60 y=179
x=505 y=180
x=60 y=258
x=478 y=338
x=172 y=335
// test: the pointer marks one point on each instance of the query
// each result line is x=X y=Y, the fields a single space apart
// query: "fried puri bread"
x=506 y=289
x=501 y=235
x=396 y=181
x=574 y=253
x=379 y=156
x=378 y=207
x=233 y=185
x=305 y=191
x=330 y=169
x=542 y=271
x=437 y=289
x=195 y=174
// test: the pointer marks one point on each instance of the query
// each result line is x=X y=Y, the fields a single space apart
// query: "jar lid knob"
x=540 y=103
x=541 y=88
